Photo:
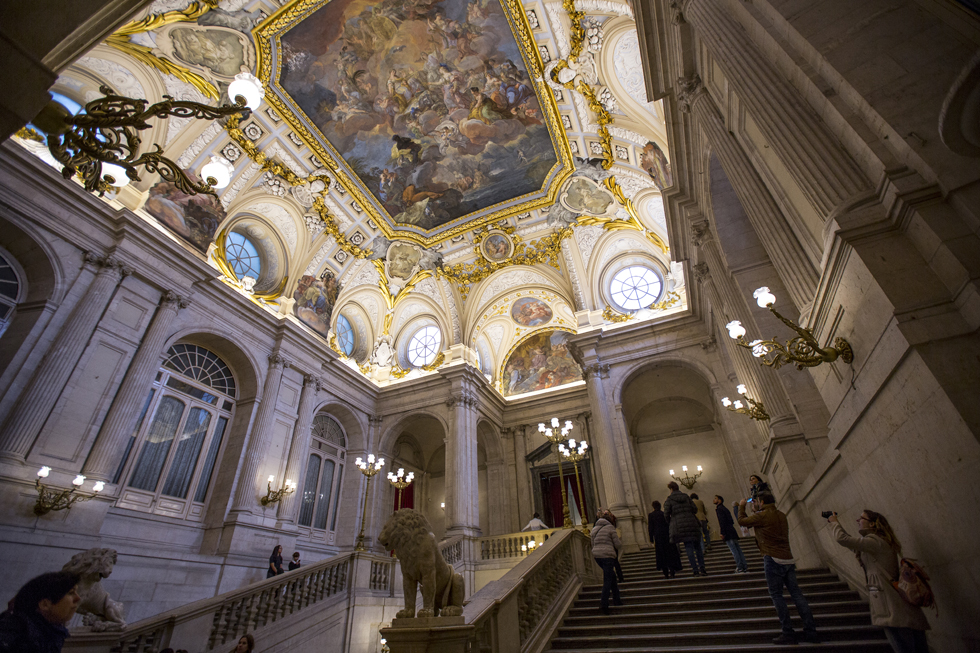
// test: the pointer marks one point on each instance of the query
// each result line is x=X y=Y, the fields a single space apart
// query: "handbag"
x=912 y=585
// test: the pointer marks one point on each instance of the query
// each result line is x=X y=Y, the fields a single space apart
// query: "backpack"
x=913 y=584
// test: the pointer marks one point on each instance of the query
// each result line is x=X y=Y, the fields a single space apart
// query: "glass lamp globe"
x=763 y=297
x=735 y=329
x=220 y=168
x=248 y=86
x=117 y=172
x=726 y=402
x=741 y=388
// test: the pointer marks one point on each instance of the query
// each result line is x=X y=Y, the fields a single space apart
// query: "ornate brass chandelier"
x=556 y=438
x=754 y=409
x=688 y=481
x=369 y=469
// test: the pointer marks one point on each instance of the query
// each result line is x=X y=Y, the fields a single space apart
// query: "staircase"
x=722 y=612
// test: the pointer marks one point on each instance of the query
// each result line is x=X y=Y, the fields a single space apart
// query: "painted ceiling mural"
x=457 y=162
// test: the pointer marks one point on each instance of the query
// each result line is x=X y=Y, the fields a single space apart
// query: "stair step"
x=637 y=615
x=713 y=638
x=643 y=606
x=715 y=591
x=846 y=646
x=740 y=624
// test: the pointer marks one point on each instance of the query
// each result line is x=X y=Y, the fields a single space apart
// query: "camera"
x=827 y=514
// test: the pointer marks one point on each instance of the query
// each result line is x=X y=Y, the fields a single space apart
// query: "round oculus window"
x=635 y=287
x=424 y=346
x=345 y=335
x=242 y=256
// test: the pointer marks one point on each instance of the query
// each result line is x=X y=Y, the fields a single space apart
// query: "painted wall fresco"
x=654 y=161
x=530 y=312
x=194 y=218
x=428 y=101
x=540 y=362
x=315 y=299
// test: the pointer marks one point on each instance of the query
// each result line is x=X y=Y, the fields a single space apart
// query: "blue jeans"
x=694 y=555
x=778 y=576
x=608 y=582
x=736 y=550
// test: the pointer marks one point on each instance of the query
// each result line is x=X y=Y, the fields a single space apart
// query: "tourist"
x=535 y=524
x=682 y=519
x=757 y=486
x=619 y=569
x=294 y=563
x=668 y=557
x=605 y=550
x=275 y=562
x=772 y=534
x=35 y=622
x=246 y=644
x=726 y=526
x=702 y=516
x=878 y=551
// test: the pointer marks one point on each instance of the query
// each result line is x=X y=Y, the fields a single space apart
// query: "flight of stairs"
x=721 y=612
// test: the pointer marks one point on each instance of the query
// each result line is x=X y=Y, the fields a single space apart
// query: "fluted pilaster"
x=462 y=489
x=39 y=397
x=300 y=446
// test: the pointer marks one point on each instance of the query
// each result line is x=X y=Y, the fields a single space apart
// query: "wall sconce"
x=273 y=496
x=53 y=499
x=688 y=481
x=755 y=409
x=803 y=350
x=529 y=547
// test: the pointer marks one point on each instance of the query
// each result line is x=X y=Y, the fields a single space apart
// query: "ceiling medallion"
x=434 y=117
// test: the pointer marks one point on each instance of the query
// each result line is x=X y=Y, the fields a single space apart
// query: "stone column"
x=246 y=493
x=525 y=501
x=121 y=420
x=39 y=397
x=513 y=519
x=605 y=443
x=300 y=446
x=462 y=488
x=813 y=155
x=775 y=234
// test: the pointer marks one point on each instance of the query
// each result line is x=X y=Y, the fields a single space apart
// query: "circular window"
x=345 y=335
x=635 y=287
x=242 y=256
x=424 y=346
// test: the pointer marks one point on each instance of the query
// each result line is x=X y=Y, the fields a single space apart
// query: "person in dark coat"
x=730 y=534
x=275 y=562
x=682 y=519
x=668 y=557
x=35 y=622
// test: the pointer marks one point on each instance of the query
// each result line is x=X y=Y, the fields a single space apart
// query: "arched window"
x=191 y=403
x=345 y=335
x=242 y=255
x=9 y=291
x=324 y=472
x=635 y=287
x=424 y=346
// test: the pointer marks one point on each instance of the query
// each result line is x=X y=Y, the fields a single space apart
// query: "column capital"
x=677 y=12
x=701 y=272
x=465 y=398
x=277 y=361
x=375 y=420
x=597 y=370
x=313 y=380
x=170 y=299
x=584 y=416
x=106 y=263
x=689 y=89
x=700 y=232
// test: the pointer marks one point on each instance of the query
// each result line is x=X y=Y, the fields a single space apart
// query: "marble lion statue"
x=97 y=609
x=409 y=534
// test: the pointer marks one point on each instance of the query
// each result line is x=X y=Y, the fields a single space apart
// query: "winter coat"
x=702 y=514
x=888 y=609
x=725 y=523
x=29 y=633
x=605 y=541
x=771 y=530
x=682 y=517
x=668 y=557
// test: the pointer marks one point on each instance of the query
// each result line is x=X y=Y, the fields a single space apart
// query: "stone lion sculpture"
x=97 y=609
x=409 y=534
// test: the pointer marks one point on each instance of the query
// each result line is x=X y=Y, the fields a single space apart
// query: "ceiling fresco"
x=430 y=108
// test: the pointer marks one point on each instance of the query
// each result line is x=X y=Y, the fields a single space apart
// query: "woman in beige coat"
x=878 y=551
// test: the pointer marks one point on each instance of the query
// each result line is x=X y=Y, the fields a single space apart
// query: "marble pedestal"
x=432 y=635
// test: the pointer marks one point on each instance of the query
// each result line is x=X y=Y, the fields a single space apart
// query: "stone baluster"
x=775 y=234
x=824 y=171
x=39 y=397
x=121 y=420
x=300 y=446
x=246 y=493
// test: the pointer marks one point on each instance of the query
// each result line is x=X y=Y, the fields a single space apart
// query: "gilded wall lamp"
x=755 y=409
x=688 y=481
x=102 y=143
x=53 y=499
x=576 y=453
x=803 y=350
x=274 y=496
x=529 y=547
x=400 y=481
x=369 y=469
x=556 y=437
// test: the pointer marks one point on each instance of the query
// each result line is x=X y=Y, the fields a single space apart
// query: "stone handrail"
x=218 y=622
x=535 y=595
x=509 y=546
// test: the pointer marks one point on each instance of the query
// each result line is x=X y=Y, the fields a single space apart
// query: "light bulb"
x=370 y=458
x=248 y=86
x=763 y=297
x=220 y=168
x=288 y=483
x=555 y=423
x=524 y=548
x=571 y=443
x=735 y=329
x=271 y=479
x=532 y=544
x=117 y=172
x=568 y=424
x=671 y=472
x=442 y=505
x=758 y=349
x=401 y=471
x=585 y=445
x=741 y=388
x=78 y=481
x=357 y=461
x=726 y=402
x=738 y=405
x=99 y=486
x=43 y=472
x=699 y=468
x=541 y=427
x=411 y=475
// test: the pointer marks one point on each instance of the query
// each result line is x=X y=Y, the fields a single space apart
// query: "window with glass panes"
x=9 y=290
x=324 y=473
x=175 y=446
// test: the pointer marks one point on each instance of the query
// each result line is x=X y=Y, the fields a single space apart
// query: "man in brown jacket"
x=772 y=533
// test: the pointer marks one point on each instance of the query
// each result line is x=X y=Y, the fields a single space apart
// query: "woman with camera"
x=878 y=551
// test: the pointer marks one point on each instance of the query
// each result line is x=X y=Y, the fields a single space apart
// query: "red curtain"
x=408 y=497
x=551 y=495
